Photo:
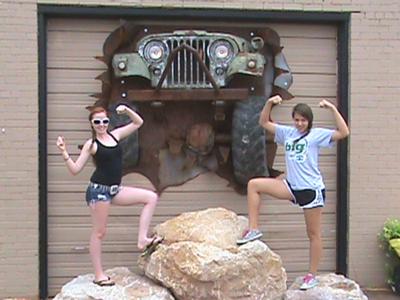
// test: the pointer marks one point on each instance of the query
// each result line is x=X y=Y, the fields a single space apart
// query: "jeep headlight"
x=221 y=51
x=154 y=51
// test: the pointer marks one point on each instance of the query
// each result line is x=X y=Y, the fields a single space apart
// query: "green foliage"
x=390 y=231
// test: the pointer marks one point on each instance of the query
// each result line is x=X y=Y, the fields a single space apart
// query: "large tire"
x=248 y=141
x=130 y=144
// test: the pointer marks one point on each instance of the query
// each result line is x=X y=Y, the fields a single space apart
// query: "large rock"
x=128 y=286
x=215 y=226
x=200 y=260
x=331 y=287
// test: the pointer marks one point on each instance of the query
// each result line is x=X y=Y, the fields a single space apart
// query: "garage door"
x=72 y=45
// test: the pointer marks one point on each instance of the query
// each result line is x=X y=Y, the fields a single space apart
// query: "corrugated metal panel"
x=72 y=44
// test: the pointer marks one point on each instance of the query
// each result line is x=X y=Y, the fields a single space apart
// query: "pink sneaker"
x=309 y=281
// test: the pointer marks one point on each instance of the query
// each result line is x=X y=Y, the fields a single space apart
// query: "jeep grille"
x=185 y=71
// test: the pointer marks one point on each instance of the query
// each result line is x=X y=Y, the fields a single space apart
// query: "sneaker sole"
x=242 y=242
x=309 y=287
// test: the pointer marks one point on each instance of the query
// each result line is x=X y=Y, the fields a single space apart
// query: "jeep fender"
x=133 y=64
x=240 y=64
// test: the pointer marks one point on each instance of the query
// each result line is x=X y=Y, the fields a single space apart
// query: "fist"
x=275 y=99
x=121 y=109
x=61 y=143
x=325 y=104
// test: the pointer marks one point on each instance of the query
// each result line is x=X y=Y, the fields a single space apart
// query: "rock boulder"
x=128 y=286
x=331 y=287
x=199 y=259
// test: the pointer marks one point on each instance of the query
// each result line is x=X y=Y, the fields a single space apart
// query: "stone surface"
x=215 y=226
x=331 y=287
x=129 y=286
x=200 y=260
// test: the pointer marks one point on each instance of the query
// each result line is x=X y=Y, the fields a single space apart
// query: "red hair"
x=95 y=110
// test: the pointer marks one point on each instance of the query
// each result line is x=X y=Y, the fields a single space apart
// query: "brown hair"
x=306 y=112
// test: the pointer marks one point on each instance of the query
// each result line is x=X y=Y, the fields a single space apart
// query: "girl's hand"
x=61 y=143
x=326 y=104
x=275 y=100
x=121 y=109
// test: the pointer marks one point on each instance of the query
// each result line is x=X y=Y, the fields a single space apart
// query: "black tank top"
x=108 y=164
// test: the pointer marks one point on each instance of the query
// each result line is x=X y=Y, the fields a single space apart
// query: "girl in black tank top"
x=105 y=183
x=108 y=160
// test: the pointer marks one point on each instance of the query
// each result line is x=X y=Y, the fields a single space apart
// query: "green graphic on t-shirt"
x=297 y=151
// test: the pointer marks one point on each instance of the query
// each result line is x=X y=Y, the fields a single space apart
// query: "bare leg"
x=132 y=196
x=99 y=213
x=273 y=187
x=313 y=223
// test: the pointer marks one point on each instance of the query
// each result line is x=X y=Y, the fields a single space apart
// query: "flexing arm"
x=74 y=166
x=126 y=130
x=266 y=112
x=342 y=130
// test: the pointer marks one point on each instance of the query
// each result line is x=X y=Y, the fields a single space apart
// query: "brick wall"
x=375 y=134
x=374 y=108
x=18 y=149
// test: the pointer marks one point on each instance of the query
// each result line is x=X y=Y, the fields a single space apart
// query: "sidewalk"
x=381 y=295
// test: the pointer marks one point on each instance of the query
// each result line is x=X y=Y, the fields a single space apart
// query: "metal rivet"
x=157 y=71
x=123 y=95
x=122 y=81
x=157 y=104
x=122 y=65
x=251 y=64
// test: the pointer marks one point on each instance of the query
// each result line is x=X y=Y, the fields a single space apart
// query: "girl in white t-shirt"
x=303 y=184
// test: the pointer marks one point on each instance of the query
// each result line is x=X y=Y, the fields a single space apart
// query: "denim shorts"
x=307 y=198
x=96 y=192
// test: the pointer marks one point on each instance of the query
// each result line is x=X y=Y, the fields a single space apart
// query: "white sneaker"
x=309 y=281
x=250 y=235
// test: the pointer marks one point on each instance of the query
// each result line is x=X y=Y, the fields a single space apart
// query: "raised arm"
x=126 y=130
x=265 y=120
x=342 y=130
x=74 y=166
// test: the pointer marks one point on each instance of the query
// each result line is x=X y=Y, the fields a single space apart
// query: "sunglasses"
x=104 y=121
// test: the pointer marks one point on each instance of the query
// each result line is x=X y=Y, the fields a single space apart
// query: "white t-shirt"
x=302 y=158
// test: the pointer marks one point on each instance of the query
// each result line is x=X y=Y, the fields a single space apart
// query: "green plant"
x=391 y=230
x=390 y=243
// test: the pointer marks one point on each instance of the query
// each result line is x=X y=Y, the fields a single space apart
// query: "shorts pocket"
x=88 y=194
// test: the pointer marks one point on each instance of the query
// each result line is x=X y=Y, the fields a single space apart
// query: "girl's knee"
x=313 y=234
x=252 y=185
x=100 y=233
x=152 y=199
x=255 y=184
